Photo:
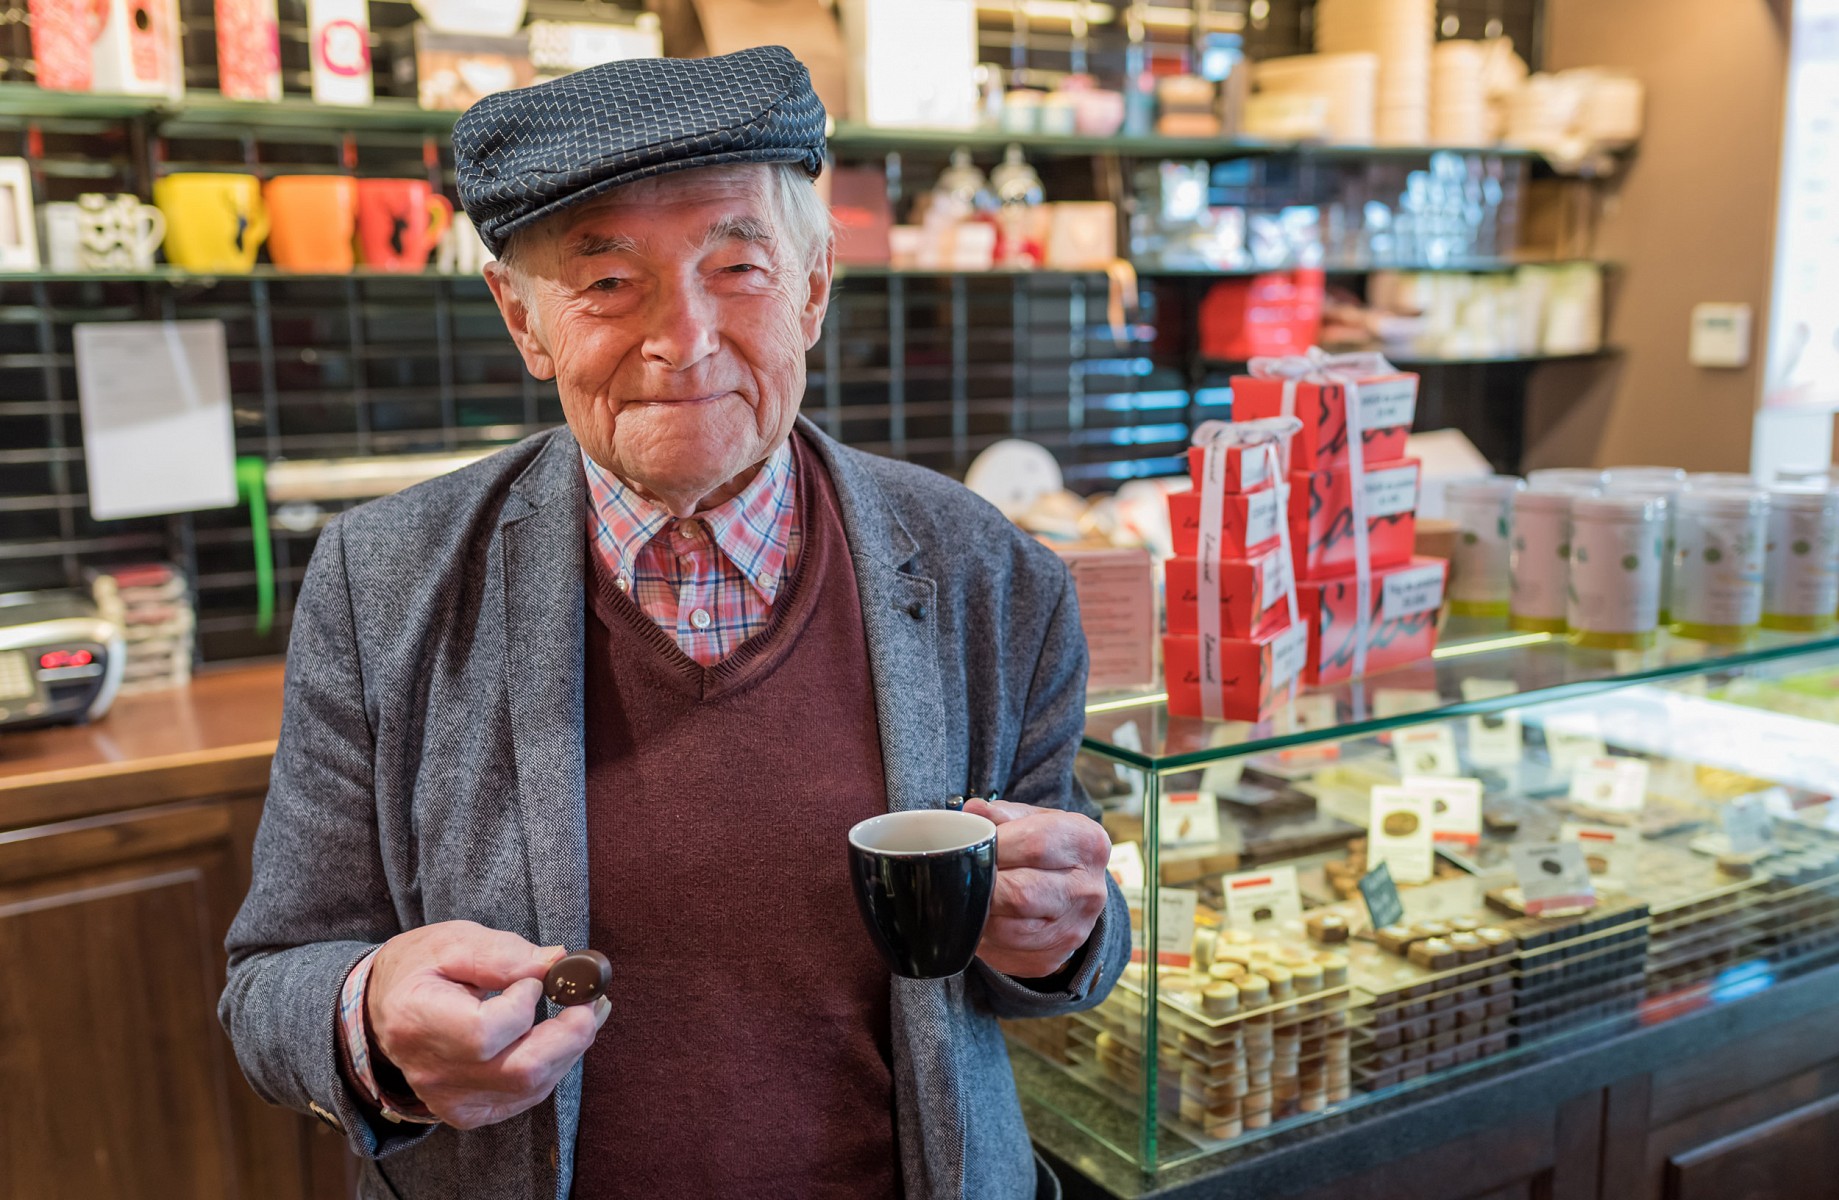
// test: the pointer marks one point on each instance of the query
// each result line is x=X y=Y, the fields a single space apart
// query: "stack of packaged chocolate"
x=1308 y=492
x=152 y=603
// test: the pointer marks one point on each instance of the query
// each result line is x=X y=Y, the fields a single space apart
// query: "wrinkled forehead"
x=671 y=212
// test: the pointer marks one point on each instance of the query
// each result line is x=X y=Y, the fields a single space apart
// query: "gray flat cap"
x=523 y=155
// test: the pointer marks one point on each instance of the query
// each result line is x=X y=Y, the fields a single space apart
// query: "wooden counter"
x=212 y=738
x=124 y=854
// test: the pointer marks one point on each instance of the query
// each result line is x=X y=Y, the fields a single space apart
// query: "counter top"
x=213 y=738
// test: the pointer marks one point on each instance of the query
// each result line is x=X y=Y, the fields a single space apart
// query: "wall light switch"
x=1720 y=335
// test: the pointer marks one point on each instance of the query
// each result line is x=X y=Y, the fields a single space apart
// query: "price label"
x=1398 y=834
x=1388 y=402
x=1276 y=571
x=1262 y=512
x=1609 y=850
x=1610 y=785
x=1175 y=927
x=1383 y=907
x=1391 y=492
x=1552 y=877
x=1126 y=865
x=1495 y=739
x=1258 y=899
x=1410 y=592
x=1400 y=702
x=1128 y=737
x=1221 y=778
x=1455 y=808
x=1188 y=819
x=1573 y=740
x=1289 y=650
x=1746 y=825
x=1426 y=750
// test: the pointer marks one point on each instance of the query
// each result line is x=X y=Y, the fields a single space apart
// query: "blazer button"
x=917 y=610
x=324 y=1115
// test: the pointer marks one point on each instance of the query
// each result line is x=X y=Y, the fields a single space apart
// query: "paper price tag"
x=1455 y=808
x=1391 y=492
x=1127 y=737
x=1610 y=785
x=1277 y=571
x=1445 y=898
x=1746 y=824
x=1388 y=403
x=1257 y=899
x=1609 y=851
x=1315 y=712
x=1383 y=907
x=1126 y=865
x=1222 y=777
x=1495 y=739
x=1426 y=750
x=1408 y=593
x=1175 y=926
x=1262 y=512
x=1289 y=650
x=1188 y=819
x=1399 y=702
x=1572 y=740
x=1398 y=834
x=1553 y=876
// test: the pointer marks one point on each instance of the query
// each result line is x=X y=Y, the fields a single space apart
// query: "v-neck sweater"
x=748 y=1049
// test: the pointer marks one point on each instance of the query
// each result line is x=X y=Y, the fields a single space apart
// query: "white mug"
x=117 y=233
x=63 y=236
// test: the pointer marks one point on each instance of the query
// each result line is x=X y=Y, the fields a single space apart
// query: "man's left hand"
x=1050 y=887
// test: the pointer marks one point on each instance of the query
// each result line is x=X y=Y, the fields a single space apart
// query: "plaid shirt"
x=709 y=581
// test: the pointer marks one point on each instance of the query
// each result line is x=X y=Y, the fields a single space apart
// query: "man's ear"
x=518 y=319
x=812 y=318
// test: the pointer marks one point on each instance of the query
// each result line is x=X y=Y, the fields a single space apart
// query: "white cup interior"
x=921 y=831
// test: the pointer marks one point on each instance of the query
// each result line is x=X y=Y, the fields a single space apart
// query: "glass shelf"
x=178 y=275
x=1472 y=266
x=1408 y=362
x=1537 y=666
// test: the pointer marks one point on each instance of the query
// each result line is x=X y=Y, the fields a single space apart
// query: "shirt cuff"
x=354 y=1052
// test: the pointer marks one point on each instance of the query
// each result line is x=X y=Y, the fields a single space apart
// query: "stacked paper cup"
x=1459 y=95
x=1401 y=33
x=1347 y=81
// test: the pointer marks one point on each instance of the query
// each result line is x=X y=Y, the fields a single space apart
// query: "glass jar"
x=1617 y=545
x=1718 y=480
x=1717 y=567
x=1548 y=478
x=1540 y=557
x=1668 y=490
x=1616 y=479
x=1481 y=579
x=1800 y=584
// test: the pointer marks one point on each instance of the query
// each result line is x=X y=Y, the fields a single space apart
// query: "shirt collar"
x=752 y=529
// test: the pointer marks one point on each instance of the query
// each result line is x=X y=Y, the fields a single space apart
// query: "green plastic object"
x=252 y=488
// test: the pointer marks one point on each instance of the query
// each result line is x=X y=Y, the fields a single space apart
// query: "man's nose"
x=680 y=326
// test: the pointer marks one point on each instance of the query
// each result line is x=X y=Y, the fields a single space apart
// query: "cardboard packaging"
x=913 y=64
x=1322 y=517
x=559 y=48
x=454 y=71
x=1387 y=405
x=1247 y=468
x=1250 y=668
x=859 y=205
x=136 y=52
x=1250 y=521
x=1251 y=594
x=339 y=41
x=1402 y=611
x=248 y=50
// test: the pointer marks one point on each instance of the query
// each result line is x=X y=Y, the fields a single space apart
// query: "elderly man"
x=627 y=686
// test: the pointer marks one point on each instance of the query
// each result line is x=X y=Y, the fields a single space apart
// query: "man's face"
x=674 y=315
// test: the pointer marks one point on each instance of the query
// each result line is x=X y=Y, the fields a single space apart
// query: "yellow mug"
x=214 y=221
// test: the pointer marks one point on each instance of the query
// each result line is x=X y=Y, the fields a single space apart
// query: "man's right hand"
x=473 y=1058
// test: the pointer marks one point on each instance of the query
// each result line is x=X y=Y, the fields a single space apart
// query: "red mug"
x=399 y=222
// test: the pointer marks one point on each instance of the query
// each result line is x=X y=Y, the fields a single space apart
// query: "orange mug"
x=312 y=220
x=399 y=222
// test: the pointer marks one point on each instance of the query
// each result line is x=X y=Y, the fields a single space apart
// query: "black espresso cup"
x=923 y=881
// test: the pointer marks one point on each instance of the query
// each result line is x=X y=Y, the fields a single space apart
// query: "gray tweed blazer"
x=430 y=768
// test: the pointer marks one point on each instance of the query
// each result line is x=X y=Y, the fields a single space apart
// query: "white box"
x=912 y=64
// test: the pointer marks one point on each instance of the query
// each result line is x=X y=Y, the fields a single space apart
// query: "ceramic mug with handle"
x=215 y=221
x=314 y=219
x=117 y=232
x=399 y=222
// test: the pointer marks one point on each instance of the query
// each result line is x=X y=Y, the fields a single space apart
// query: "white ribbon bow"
x=1272 y=437
x=1320 y=367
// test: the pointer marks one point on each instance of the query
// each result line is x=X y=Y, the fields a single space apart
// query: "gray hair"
x=801 y=215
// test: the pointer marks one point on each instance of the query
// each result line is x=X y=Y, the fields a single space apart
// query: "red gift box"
x=1402 y=619
x=1249 y=520
x=1248 y=666
x=1322 y=517
x=1251 y=594
x=1248 y=468
x=1387 y=405
x=1276 y=313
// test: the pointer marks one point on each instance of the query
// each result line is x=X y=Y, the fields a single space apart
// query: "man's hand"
x=1050 y=886
x=472 y=1057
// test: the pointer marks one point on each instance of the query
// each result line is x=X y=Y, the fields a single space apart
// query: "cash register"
x=60 y=659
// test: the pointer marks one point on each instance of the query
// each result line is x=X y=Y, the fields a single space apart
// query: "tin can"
x=1717 y=567
x=1481 y=567
x=1540 y=557
x=1617 y=545
x=1800 y=584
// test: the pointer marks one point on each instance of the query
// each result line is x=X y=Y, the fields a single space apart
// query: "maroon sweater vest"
x=747 y=1054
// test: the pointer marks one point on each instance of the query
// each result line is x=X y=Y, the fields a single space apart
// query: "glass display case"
x=1578 y=842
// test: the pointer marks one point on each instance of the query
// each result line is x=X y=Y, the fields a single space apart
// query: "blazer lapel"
x=543 y=544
